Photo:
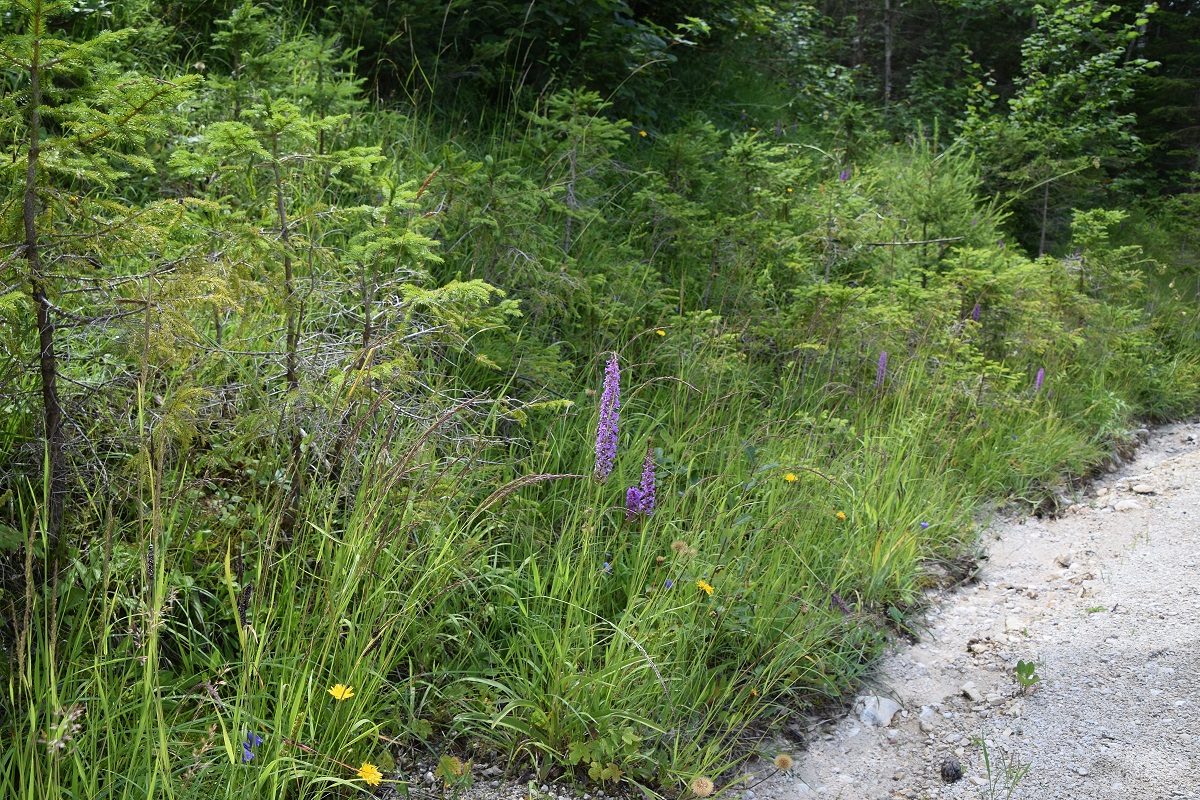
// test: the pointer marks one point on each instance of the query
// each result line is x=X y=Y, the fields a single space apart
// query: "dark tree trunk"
x=47 y=358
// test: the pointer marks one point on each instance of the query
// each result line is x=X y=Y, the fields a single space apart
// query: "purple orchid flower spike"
x=640 y=499
x=610 y=409
x=881 y=370
x=633 y=502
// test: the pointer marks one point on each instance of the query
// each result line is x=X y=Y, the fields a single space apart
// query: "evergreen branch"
x=915 y=241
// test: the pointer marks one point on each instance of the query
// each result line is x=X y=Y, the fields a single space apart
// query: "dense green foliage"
x=305 y=313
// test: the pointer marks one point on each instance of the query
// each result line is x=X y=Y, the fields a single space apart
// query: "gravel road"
x=1104 y=601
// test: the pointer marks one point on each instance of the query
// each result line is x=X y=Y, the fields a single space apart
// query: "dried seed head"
x=63 y=729
x=702 y=787
x=784 y=761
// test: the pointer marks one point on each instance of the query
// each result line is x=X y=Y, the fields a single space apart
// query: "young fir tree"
x=76 y=129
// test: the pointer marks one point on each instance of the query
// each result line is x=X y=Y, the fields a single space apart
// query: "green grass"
x=442 y=546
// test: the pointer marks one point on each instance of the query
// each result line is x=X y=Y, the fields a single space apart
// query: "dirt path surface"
x=1104 y=601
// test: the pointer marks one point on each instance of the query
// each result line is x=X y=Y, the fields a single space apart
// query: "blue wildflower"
x=253 y=740
x=924 y=525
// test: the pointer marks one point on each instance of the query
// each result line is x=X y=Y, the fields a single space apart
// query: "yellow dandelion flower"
x=702 y=787
x=754 y=692
x=661 y=332
x=784 y=761
x=790 y=477
x=789 y=190
x=679 y=545
x=370 y=774
x=642 y=133
x=841 y=515
x=341 y=692
x=707 y=588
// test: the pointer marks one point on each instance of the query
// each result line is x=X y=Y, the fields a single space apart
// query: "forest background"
x=585 y=386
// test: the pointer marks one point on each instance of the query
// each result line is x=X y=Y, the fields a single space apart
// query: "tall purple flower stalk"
x=881 y=371
x=1037 y=383
x=640 y=499
x=844 y=175
x=975 y=313
x=610 y=409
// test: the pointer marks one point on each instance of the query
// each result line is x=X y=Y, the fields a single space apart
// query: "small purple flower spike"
x=646 y=484
x=1001 y=243
x=640 y=499
x=844 y=175
x=881 y=370
x=633 y=502
x=975 y=312
x=1037 y=383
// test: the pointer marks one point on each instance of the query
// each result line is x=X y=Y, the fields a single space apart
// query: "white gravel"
x=1105 y=600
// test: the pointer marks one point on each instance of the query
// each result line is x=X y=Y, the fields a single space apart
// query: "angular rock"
x=878 y=711
x=1143 y=488
x=927 y=720
x=1126 y=505
x=971 y=691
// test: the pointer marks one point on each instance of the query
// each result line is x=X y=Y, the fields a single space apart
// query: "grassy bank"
x=333 y=378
